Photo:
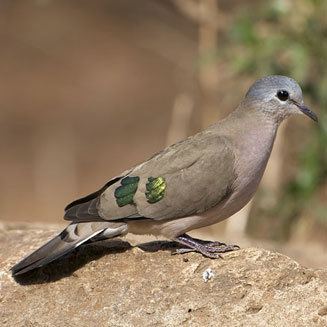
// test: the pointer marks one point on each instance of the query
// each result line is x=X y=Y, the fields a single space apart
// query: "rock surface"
x=112 y=284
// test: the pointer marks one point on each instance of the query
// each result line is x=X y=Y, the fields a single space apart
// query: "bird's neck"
x=253 y=135
x=253 y=132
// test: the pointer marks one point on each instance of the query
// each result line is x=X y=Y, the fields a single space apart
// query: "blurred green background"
x=90 y=88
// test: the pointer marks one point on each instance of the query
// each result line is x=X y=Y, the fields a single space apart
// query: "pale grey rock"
x=98 y=287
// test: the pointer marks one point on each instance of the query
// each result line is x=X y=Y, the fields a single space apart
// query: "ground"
x=114 y=284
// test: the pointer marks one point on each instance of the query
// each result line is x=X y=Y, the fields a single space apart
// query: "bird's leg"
x=207 y=248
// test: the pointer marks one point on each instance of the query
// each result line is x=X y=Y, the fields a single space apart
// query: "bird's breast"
x=253 y=152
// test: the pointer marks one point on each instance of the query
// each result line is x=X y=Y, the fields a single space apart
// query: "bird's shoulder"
x=186 y=152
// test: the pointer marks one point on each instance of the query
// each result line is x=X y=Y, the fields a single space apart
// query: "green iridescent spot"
x=124 y=194
x=155 y=189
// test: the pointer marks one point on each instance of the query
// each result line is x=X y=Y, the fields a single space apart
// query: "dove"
x=197 y=182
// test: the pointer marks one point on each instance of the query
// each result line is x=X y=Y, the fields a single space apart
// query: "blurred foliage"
x=289 y=38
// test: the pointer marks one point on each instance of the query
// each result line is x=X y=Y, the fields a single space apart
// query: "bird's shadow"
x=67 y=265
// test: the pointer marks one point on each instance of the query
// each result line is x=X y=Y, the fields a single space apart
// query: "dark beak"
x=307 y=111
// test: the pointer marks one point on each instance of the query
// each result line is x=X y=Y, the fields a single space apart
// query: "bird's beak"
x=306 y=111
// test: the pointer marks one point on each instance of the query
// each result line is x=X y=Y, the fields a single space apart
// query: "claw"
x=182 y=251
x=206 y=248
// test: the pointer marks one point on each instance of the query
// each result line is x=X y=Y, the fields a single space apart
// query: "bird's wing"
x=115 y=199
x=187 y=178
x=84 y=209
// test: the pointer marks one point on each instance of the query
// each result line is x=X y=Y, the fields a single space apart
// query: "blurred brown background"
x=90 y=88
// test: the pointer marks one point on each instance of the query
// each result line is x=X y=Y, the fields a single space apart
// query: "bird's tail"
x=69 y=239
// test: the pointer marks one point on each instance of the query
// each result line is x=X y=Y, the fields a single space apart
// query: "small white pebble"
x=207 y=274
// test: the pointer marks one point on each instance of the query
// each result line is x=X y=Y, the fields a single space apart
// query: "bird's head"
x=279 y=97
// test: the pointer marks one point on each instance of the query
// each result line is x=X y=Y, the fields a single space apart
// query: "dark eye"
x=283 y=95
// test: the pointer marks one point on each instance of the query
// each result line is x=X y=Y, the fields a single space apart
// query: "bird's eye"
x=282 y=95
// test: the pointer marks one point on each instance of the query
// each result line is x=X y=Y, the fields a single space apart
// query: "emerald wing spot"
x=155 y=189
x=124 y=194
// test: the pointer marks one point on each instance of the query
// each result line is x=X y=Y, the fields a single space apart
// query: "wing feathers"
x=93 y=195
x=84 y=212
x=86 y=208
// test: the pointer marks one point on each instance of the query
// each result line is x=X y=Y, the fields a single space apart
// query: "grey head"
x=278 y=97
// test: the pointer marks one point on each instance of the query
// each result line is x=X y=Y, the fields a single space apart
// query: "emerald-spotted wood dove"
x=197 y=182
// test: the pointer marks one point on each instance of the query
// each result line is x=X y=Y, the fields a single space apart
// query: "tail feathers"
x=68 y=240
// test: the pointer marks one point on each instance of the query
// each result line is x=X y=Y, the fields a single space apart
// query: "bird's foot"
x=206 y=248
